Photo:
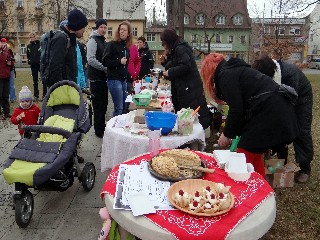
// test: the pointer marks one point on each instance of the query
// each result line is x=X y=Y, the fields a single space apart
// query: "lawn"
x=298 y=208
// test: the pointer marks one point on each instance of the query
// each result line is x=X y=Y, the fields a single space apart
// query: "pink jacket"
x=134 y=62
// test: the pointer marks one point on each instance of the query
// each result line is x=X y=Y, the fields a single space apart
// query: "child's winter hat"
x=25 y=94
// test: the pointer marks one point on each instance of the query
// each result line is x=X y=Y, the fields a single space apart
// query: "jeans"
x=118 y=91
x=34 y=71
x=12 y=89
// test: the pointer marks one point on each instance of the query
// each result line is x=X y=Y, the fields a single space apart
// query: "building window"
x=238 y=19
x=39 y=23
x=220 y=19
x=21 y=25
x=218 y=38
x=230 y=39
x=311 y=37
x=135 y=31
x=2 y=4
x=279 y=30
x=19 y=3
x=38 y=4
x=242 y=39
x=151 y=37
x=193 y=38
x=186 y=19
x=23 y=48
x=294 y=31
x=109 y=31
x=200 y=19
x=266 y=30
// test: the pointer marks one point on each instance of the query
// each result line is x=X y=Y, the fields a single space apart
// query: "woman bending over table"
x=258 y=112
x=182 y=71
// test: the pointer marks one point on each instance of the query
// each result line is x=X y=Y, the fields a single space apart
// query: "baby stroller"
x=46 y=157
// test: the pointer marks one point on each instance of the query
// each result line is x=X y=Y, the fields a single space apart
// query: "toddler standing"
x=27 y=112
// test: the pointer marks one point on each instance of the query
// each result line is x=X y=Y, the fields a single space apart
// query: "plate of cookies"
x=174 y=165
x=201 y=197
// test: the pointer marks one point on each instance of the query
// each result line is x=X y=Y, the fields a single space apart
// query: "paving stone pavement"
x=73 y=214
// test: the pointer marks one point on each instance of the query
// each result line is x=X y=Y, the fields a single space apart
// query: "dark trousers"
x=99 y=90
x=303 y=144
x=4 y=94
x=35 y=69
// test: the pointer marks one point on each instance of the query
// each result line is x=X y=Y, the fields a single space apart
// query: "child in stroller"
x=48 y=159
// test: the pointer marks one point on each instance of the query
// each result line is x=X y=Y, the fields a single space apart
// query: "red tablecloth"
x=248 y=196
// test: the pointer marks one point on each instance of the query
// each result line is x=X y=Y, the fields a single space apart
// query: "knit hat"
x=76 y=20
x=3 y=40
x=25 y=94
x=100 y=21
x=63 y=23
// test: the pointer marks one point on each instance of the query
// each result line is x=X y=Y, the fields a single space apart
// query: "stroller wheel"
x=88 y=176
x=24 y=208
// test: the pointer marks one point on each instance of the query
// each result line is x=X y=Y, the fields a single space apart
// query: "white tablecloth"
x=119 y=145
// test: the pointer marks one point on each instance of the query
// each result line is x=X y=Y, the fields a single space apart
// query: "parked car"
x=315 y=63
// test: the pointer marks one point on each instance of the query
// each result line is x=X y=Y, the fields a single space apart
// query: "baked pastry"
x=183 y=157
x=182 y=198
x=165 y=166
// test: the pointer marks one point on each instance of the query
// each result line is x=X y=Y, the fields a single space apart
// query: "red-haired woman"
x=115 y=58
x=257 y=110
x=181 y=69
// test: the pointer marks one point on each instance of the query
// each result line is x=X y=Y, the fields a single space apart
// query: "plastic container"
x=157 y=120
x=141 y=99
x=185 y=121
x=237 y=176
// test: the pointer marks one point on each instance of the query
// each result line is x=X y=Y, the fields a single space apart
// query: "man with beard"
x=62 y=49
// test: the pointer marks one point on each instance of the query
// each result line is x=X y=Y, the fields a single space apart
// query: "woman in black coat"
x=258 y=112
x=289 y=74
x=181 y=69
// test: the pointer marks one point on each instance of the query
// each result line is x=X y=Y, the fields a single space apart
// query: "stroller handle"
x=46 y=129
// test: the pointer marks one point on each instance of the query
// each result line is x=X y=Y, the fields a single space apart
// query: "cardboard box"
x=279 y=175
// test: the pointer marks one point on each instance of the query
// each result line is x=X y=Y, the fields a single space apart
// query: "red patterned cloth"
x=248 y=196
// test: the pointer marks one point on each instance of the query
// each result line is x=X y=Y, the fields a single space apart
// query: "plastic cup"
x=185 y=126
x=154 y=142
x=147 y=79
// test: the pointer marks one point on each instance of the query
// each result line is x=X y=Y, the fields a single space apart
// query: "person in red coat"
x=6 y=61
x=27 y=113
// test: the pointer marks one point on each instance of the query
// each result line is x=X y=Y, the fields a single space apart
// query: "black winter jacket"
x=257 y=111
x=146 y=60
x=112 y=55
x=33 y=53
x=62 y=58
x=186 y=84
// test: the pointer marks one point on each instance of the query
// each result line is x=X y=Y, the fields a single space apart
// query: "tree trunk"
x=99 y=10
x=181 y=17
x=170 y=15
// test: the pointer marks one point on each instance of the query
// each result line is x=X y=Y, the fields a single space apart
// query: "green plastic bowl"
x=141 y=99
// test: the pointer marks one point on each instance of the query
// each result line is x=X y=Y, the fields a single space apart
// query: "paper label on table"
x=140 y=204
x=129 y=98
x=134 y=179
